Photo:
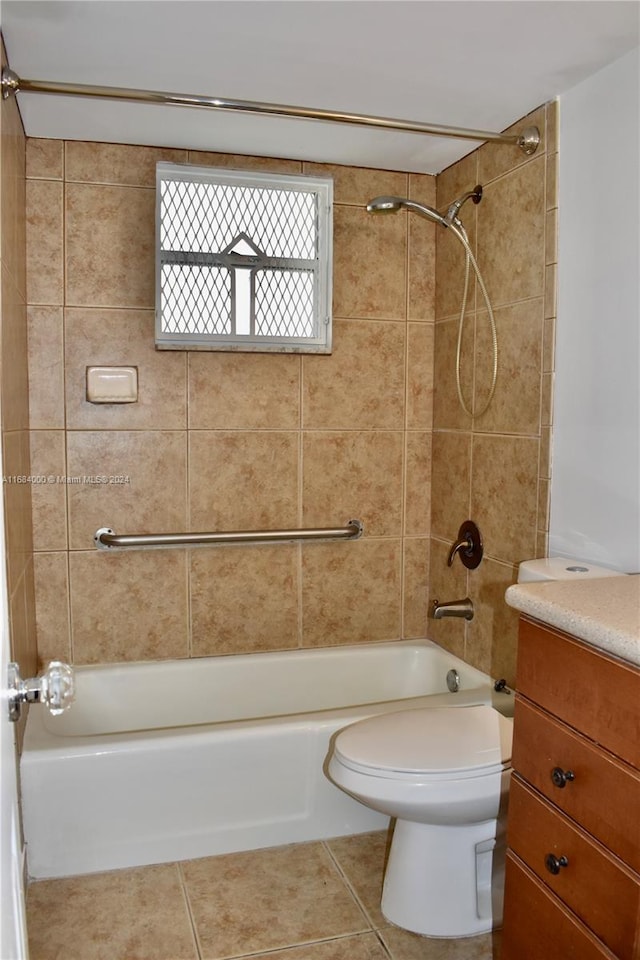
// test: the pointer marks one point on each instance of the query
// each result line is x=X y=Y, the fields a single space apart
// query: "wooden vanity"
x=572 y=889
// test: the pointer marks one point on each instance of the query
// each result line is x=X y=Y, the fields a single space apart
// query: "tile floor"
x=309 y=901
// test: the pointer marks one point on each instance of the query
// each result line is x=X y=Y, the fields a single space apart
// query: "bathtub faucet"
x=455 y=608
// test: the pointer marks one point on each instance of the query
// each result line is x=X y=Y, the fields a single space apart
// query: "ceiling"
x=478 y=64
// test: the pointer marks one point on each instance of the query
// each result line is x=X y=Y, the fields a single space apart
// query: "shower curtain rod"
x=12 y=84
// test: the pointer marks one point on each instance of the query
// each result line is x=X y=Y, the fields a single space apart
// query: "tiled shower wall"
x=495 y=468
x=15 y=397
x=223 y=441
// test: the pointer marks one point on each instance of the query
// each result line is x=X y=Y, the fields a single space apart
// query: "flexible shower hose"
x=461 y=234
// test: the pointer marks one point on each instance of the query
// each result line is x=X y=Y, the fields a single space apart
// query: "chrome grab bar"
x=107 y=539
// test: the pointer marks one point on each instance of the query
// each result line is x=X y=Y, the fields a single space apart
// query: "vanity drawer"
x=538 y=927
x=604 y=796
x=597 y=887
x=596 y=694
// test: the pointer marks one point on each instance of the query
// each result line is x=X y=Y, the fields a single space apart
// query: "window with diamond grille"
x=243 y=260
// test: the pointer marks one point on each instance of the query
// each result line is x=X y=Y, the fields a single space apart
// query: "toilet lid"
x=446 y=741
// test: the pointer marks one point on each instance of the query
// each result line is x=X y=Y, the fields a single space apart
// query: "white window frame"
x=320 y=266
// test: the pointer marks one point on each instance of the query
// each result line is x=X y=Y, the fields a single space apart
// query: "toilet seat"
x=448 y=743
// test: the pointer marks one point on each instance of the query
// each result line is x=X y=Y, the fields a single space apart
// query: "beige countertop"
x=604 y=613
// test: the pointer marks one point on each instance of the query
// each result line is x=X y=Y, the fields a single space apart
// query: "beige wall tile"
x=545 y=452
x=457 y=180
x=549 y=346
x=244 y=411
x=450 y=483
x=12 y=186
x=550 y=286
x=123 y=338
x=552 y=181
x=370 y=264
x=17 y=504
x=546 y=415
x=420 y=375
x=415 y=606
x=515 y=407
x=49 y=494
x=417 y=499
x=14 y=346
x=358 y=185
x=110 y=244
x=422 y=251
x=494 y=159
x=511 y=230
x=492 y=635
x=244 y=599
x=245 y=480
x=45 y=269
x=116 y=163
x=504 y=495
x=552 y=120
x=353 y=475
x=117 y=915
x=422 y=269
x=362 y=383
x=447 y=412
x=46 y=367
x=53 y=624
x=45 y=159
x=243 y=391
x=446 y=584
x=450 y=269
x=351 y=592
x=151 y=500
x=551 y=237
x=139 y=612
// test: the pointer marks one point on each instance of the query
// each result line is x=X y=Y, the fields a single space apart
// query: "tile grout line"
x=349 y=886
x=187 y=903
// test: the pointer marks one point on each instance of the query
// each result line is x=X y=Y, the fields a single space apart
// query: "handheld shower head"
x=393 y=204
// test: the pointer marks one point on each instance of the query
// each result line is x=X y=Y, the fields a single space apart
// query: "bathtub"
x=176 y=760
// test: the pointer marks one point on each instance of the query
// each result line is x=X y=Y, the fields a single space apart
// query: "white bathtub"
x=176 y=760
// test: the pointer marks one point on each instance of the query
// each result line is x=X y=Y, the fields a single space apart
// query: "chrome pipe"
x=12 y=84
x=107 y=539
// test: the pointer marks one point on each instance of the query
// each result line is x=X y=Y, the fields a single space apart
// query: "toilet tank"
x=561 y=568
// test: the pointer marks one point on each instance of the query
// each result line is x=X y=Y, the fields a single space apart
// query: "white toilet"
x=443 y=773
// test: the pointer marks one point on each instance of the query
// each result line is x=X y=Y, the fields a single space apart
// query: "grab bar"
x=107 y=539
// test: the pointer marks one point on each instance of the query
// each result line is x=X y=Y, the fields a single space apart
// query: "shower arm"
x=528 y=141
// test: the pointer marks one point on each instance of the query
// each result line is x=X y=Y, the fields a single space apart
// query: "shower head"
x=449 y=219
x=393 y=204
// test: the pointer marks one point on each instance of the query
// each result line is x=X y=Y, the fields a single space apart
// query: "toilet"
x=443 y=774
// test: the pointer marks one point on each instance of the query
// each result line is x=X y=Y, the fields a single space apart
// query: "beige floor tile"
x=403 y=945
x=268 y=899
x=362 y=860
x=363 y=947
x=136 y=914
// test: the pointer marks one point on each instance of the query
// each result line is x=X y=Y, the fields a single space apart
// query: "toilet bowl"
x=443 y=773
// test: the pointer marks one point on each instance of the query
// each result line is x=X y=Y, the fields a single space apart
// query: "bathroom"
x=407 y=461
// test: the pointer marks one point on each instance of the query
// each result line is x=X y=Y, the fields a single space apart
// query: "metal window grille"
x=243 y=260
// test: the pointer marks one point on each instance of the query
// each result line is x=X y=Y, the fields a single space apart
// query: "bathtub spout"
x=455 y=608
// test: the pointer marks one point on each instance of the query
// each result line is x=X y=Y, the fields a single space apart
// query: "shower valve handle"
x=55 y=689
x=468 y=546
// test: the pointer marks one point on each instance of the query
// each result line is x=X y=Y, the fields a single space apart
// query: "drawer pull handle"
x=561 y=777
x=554 y=864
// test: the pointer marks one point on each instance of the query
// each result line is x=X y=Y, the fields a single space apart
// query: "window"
x=243 y=260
